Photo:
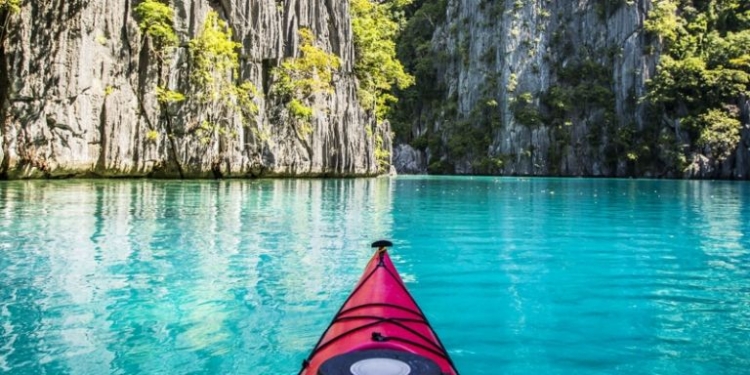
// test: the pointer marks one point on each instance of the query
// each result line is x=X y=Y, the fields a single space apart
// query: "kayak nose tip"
x=382 y=243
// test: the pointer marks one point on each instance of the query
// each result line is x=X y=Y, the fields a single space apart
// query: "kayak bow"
x=379 y=330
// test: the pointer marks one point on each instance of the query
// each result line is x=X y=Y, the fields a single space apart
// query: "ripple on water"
x=518 y=275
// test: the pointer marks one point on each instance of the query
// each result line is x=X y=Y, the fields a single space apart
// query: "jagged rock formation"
x=408 y=160
x=78 y=94
x=514 y=87
x=503 y=70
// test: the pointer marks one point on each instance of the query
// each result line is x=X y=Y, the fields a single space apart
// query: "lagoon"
x=517 y=275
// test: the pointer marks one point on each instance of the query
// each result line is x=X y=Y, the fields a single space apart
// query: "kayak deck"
x=380 y=326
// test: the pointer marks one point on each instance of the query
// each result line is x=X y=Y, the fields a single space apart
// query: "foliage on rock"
x=420 y=59
x=13 y=5
x=376 y=26
x=215 y=79
x=719 y=132
x=166 y=96
x=705 y=68
x=299 y=79
x=156 y=19
x=382 y=156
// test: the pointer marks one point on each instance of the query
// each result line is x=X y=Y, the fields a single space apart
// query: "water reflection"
x=177 y=277
x=517 y=275
x=702 y=303
x=582 y=276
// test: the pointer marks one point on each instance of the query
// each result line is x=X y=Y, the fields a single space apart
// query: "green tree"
x=720 y=133
x=705 y=66
x=382 y=156
x=299 y=79
x=214 y=71
x=733 y=15
x=156 y=22
x=375 y=26
x=7 y=8
x=310 y=73
x=663 y=20
x=420 y=58
x=156 y=19
x=13 y=5
x=525 y=111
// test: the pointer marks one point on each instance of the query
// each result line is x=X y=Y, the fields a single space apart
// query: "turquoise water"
x=518 y=276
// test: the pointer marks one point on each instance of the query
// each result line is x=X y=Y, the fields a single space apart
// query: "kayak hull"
x=380 y=316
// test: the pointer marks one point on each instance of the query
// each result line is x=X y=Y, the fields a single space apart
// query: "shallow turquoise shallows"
x=518 y=276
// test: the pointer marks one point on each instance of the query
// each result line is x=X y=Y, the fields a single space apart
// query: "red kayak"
x=379 y=330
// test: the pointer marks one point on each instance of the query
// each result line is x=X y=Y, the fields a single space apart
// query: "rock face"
x=79 y=94
x=502 y=66
x=408 y=160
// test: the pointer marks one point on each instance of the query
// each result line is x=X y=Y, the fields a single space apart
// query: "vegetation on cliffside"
x=298 y=79
x=704 y=71
x=416 y=52
x=156 y=19
x=162 y=88
x=156 y=22
x=215 y=87
x=12 y=5
x=691 y=106
x=215 y=81
x=482 y=87
x=375 y=26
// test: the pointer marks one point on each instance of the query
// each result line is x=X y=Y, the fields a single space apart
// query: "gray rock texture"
x=497 y=51
x=408 y=160
x=78 y=94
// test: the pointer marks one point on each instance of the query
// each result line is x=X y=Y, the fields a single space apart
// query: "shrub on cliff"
x=215 y=64
x=299 y=78
x=375 y=26
x=704 y=69
x=156 y=19
x=13 y=5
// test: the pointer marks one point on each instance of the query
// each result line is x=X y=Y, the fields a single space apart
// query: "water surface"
x=518 y=276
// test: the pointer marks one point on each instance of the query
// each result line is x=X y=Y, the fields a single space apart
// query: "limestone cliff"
x=78 y=80
x=501 y=78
